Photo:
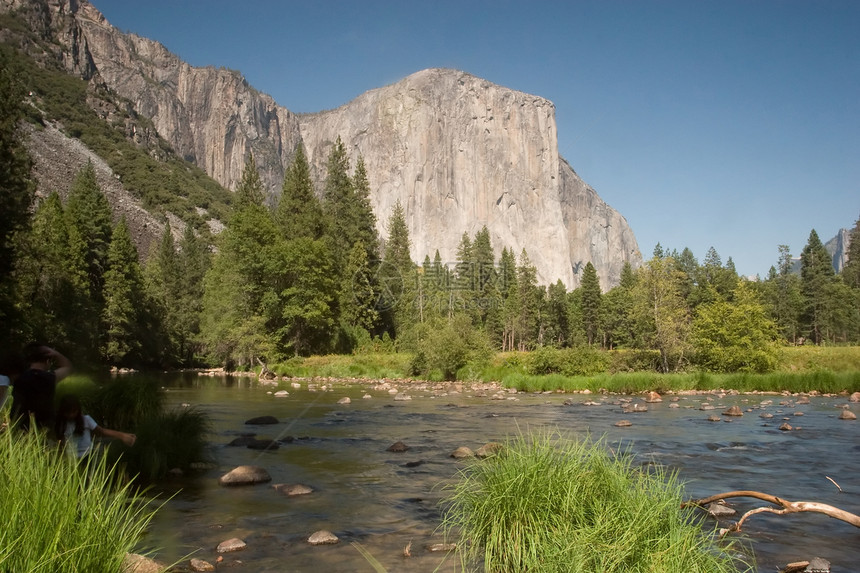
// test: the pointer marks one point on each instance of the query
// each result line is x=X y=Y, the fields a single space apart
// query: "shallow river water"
x=385 y=500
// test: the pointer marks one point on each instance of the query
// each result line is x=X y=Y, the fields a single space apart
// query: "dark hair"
x=68 y=404
x=33 y=353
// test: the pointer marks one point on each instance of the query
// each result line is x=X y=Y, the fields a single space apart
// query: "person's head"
x=69 y=411
x=34 y=353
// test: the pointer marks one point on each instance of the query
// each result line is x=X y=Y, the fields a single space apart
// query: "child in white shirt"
x=75 y=430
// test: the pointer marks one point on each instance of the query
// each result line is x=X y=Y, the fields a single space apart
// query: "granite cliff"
x=459 y=152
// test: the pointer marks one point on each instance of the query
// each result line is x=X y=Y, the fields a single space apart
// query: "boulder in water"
x=262 y=421
x=245 y=475
x=323 y=537
x=234 y=544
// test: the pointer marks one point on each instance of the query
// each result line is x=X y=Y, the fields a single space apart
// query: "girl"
x=74 y=430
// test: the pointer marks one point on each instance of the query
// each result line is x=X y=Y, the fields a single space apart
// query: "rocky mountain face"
x=458 y=152
x=838 y=249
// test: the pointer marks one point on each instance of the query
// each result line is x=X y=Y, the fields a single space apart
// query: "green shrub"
x=634 y=360
x=165 y=441
x=546 y=504
x=61 y=517
x=580 y=361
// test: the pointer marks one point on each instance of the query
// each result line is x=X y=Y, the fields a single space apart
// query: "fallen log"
x=785 y=505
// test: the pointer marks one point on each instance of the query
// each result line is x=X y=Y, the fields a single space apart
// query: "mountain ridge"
x=483 y=155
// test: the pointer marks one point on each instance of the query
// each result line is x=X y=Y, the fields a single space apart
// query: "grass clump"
x=60 y=516
x=549 y=504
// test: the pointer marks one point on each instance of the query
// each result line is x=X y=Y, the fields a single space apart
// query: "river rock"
x=245 y=475
x=397 y=447
x=200 y=565
x=262 y=421
x=436 y=547
x=765 y=415
x=855 y=397
x=733 y=411
x=488 y=449
x=280 y=394
x=818 y=565
x=720 y=510
x=634 y=409
x=462 y=452
x=233 y=544
x=366 y=397
x=241 y=441
x=323 y=537
x=135 y=563
x=786 y=427
x=653 y=397
x=795 y=567
x=400 y=397
x=623 y=423
x=344 y=400
x=847 y=415
x=256 y=444
x=805 y=399
x=713 y=418
x=292 y=489
x=674 y=405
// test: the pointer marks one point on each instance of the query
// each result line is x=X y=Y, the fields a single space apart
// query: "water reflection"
x=386 y=500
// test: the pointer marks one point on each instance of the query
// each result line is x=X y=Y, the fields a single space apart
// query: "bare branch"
x=787 y=507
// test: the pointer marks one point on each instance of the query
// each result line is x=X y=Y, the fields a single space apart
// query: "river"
x=384 y=500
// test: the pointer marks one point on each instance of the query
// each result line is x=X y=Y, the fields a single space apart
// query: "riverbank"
x=827 y=370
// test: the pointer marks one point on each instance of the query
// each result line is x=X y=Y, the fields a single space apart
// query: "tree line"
x=307 y=273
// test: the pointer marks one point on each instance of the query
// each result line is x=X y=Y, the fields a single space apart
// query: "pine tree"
x=299 y=212
x=250 y=189
x=339 y=202
x=88 y=212
x=557 y=315
x=486 y=299
x=816 y=275
x=591 y=296
x=531 y=302
x=53 y=285
x=617 y=311
x=163 y=284
x=398 y=272
x=16 y=186
x=306 y=304
x=364 y=219
x=194 y=261
x=359 y=302
x=851 y=271
x=123 y=292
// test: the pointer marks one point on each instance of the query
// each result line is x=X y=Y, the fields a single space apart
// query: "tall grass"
x=165 y=441
x=371 y=365
x=61 y=517
x=633 y=382
x=548 y=504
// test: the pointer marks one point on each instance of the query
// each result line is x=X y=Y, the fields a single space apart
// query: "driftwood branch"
x=786 y=505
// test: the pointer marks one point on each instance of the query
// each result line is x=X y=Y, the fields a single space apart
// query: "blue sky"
x=733 y=124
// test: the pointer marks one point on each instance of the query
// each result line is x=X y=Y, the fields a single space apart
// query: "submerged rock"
x=653 y=397
x=847 y=415
x=720 y=510
x=292 y=489
x=200 y=565
x=623 y=423
x=344 y=400
x=135 y=563
x=233 y=544
x=256 y=444
x=733 y=411
x=436 y=547
x=855 y=397
x=488 y=449
x=245 y=475
x=323 y=537
x=462 y=452
x=242 y=441
x=397 y=447
x=818 y=565
x=281 y=394
x=262 y=421
x=713 y=418
x=786 y=427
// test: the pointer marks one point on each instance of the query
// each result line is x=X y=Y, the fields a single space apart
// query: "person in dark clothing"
x=33 y=390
